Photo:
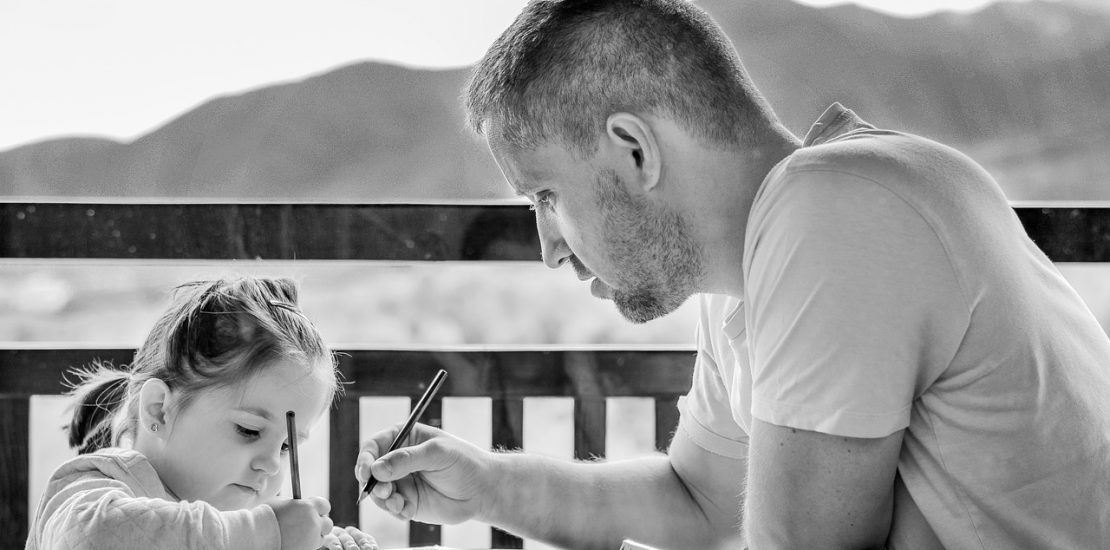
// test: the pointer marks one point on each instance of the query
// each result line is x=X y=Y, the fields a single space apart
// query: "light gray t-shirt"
x=889 y=285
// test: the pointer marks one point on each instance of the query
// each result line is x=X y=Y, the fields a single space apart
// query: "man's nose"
x=553 y=247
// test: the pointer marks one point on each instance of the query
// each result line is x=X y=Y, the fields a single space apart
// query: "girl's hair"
x=214 y=333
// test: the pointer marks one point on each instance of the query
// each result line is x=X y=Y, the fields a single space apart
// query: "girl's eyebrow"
x=257 y=412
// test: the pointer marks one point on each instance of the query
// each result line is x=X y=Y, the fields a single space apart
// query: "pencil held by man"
x=414 y=415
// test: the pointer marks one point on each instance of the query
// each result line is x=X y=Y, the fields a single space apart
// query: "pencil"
x=294 y=464
x=404 y=433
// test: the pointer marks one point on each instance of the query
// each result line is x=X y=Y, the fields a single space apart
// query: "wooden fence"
x=386 y=232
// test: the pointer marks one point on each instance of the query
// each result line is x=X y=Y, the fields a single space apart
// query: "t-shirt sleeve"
x=853 y=306
x=706 y=412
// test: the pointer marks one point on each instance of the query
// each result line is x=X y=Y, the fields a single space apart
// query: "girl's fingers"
x=362 y=540
x=346 y=542
x=331 y=542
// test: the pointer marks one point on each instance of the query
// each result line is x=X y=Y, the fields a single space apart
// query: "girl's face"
x=229 y=448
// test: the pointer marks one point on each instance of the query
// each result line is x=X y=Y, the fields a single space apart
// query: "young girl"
x=187 y=448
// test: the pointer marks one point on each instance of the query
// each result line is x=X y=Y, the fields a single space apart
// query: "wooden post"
x=424 y=534
x=15 y=475
x=507 y=433
x=342 y=452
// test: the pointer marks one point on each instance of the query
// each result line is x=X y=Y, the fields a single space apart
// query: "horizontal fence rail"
x=397 y=232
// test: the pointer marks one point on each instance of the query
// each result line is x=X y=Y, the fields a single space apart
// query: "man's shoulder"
x=877 y=153
x=923 y=172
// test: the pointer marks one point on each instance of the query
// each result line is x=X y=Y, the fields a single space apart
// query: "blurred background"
x=358 y=101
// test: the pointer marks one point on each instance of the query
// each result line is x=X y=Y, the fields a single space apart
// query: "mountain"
x=1022 y=87
x=365 y=131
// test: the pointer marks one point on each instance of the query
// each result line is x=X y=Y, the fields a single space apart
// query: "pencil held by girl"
x=187 y=448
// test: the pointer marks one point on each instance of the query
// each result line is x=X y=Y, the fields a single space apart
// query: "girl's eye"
x=284 y=448
x=247 y=432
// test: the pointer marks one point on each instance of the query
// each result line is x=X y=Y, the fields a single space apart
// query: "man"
x=885 y=358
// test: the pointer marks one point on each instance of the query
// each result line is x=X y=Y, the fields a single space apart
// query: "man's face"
x=639 y=253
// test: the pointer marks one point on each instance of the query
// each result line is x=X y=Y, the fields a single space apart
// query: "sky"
x=121 y=68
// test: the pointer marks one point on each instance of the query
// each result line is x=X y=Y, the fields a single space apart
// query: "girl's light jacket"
x=114 y=499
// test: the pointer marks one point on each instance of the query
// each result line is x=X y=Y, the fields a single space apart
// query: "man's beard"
x=658 y=262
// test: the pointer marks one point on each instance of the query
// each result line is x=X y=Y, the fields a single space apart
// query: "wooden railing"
x=389 y=232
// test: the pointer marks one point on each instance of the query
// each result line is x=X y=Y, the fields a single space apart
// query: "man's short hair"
x=563 y=67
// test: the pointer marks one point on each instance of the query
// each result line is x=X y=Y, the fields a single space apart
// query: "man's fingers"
x=382 y=490
x=408 y=511
x=372 y=449
x=428 y=456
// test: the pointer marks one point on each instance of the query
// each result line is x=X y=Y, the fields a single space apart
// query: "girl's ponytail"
x=99 y=394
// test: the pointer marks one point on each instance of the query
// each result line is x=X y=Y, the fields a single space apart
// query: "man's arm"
x=688 y=499
x=812 y=490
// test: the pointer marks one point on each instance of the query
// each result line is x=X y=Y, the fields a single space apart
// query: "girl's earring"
x=154 y=427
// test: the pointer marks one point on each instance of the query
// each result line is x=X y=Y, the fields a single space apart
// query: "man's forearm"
x=595 y=505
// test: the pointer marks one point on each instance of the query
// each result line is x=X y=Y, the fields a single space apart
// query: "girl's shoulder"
x=125 y=465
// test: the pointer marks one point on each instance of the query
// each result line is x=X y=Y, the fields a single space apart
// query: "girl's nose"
x=268 y=463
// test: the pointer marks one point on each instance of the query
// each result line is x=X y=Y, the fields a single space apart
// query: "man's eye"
x=246 y=432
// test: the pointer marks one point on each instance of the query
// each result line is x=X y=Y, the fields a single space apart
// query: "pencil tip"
x=361 y=496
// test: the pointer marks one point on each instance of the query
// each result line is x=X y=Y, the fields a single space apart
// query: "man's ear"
x=154 y=402
x=634 y=138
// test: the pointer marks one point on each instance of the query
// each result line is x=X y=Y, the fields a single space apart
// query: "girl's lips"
x=247 y=488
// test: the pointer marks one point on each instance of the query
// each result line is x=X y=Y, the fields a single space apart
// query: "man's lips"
x=597 y=287
x=601 y=290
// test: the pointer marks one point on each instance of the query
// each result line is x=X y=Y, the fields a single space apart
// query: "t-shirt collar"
x=833 y=123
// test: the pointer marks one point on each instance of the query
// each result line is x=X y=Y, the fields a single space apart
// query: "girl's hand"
x=303 y=523
x=349 y=539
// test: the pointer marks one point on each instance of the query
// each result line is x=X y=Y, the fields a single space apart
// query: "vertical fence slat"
x=666 y=421
x=15 y=475
x=507 y=432
x=342 y=453
x=423 y=534
x=589 y=428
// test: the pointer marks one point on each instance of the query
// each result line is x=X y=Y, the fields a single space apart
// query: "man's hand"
x=438 y=479
x=303 y=523
x=813 y=490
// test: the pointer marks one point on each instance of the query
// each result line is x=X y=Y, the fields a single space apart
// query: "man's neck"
x=725 y=208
